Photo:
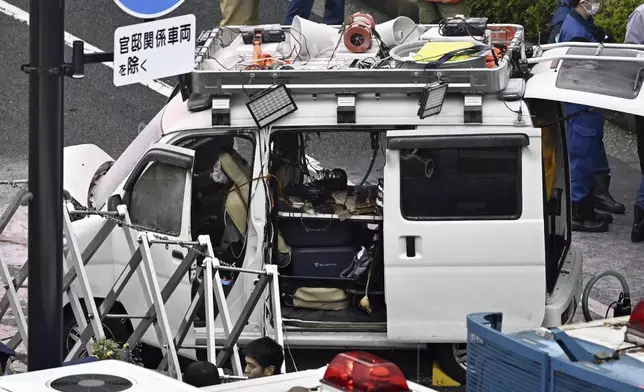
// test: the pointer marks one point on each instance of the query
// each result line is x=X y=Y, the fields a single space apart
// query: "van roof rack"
x=224 y=65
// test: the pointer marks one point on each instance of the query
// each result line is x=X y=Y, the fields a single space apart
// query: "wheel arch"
x=117 y=308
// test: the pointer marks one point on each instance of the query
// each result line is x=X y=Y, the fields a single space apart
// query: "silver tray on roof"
x=403 y=57
x=309 y=77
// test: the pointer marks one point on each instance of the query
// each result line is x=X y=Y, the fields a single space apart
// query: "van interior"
x=326 y=218
x=330 y=219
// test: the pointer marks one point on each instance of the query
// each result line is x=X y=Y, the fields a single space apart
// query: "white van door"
x=158 y=196
x=611 y=84
x=463 y=230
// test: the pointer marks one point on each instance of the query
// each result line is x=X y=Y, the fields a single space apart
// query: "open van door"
x=605 y=76
x=158 y=195
x=464 y=230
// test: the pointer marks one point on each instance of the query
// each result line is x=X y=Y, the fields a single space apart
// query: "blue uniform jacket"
x=575 y=28
x=563 y=9
x=585 y=131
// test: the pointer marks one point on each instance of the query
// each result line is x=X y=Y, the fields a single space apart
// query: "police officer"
x=433 y=11
x=333 y=11
x=585 y=131
x=635 y=35
x=603 y=199
x=563 y=9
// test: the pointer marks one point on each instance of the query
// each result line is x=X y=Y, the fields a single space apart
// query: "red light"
x=363 y=372
x=636 y=321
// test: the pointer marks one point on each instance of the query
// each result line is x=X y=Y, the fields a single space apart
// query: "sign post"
x=152 y=50
x=46 y=70
x=45 y=238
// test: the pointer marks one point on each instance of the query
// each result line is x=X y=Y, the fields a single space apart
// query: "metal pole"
x=46 y=38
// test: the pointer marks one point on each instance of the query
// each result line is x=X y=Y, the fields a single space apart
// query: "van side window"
x=460 y=183
x=157 y=198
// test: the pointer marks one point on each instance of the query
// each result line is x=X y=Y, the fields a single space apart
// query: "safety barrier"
x=140 y=241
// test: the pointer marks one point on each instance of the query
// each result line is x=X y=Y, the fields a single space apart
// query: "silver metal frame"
x=337 y=81
x=155 y=297
x=347 y=80
x=540 y=50
x=12 y=284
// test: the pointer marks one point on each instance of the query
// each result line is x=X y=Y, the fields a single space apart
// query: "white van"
x=459 y=212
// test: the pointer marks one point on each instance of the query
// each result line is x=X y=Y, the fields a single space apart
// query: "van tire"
x=114 y=329
x=446 y=356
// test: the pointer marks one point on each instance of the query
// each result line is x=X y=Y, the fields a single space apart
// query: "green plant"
x=104 y=349
x=535 y=15
x=614 y=16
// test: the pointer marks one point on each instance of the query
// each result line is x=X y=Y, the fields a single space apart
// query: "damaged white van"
x=396 y=196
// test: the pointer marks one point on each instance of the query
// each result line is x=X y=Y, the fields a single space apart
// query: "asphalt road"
x=97 y=112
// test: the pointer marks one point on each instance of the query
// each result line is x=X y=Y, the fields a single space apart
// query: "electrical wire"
x=519 y=111
x=337 y=45
x=287 y=346
x=308 y=52
x=219 y=62
x=410 y=33
x=373 y=160
x=626 y=291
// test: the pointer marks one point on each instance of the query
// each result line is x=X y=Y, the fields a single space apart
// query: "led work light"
x=270 y=105
x=431 y=100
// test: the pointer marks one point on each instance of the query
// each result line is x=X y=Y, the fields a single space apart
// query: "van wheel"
x=452 y=358
x=114 y=329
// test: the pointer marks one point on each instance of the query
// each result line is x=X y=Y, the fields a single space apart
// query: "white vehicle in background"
x=354 y=371
x=467 y=210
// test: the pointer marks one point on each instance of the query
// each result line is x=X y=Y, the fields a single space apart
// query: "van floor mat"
x=350 y=318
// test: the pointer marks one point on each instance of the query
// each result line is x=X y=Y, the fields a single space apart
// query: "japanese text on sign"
x=154 y=49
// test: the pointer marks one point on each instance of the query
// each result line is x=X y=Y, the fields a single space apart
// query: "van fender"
x=80 y=164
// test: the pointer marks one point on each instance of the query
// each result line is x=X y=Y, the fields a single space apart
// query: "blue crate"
x=496 y=363
x=527 y=362
x=572 y=377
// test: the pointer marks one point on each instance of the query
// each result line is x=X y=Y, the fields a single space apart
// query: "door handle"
x=177 y=255
x=410 y=242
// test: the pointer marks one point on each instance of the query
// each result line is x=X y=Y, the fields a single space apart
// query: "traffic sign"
x=152 y=50
x=148 y=9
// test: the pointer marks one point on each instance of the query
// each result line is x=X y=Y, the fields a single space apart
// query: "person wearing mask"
x=635 y=36
x=603 y=200
x=585 y=131
x=333 y=11
x=433 y=11
x=239 y=12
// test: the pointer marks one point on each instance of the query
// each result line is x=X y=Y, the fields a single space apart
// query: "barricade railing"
x=140 y=241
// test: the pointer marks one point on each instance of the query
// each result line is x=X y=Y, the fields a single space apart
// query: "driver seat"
x=237 y=202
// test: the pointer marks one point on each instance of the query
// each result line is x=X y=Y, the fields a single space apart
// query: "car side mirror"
x=113 y=202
